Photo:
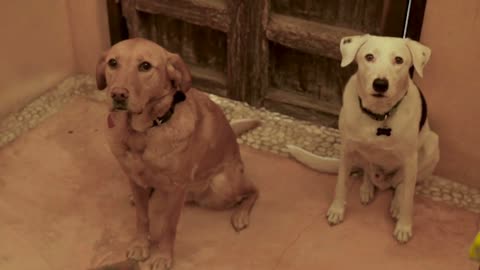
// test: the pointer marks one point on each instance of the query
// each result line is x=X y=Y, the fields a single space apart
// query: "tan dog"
x=172 y=138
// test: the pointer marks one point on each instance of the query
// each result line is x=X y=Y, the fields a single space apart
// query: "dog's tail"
x=321 y=164
x=243 y=125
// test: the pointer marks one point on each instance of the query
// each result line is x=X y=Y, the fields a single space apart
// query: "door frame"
x=412 y=28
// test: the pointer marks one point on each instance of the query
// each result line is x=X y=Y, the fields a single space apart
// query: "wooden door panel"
x=307 y=36
x=282 y=54
x=313 y=76
x=247 y=71
x=209 y=13
x=203 y=49
x=305 y=83
x=305 y=73
x=359 y=15
x=200 y=46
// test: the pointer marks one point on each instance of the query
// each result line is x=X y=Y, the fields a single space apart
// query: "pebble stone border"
x=276 y=131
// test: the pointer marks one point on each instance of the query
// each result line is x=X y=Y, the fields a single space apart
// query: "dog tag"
x=384 y=131
x=110 y=122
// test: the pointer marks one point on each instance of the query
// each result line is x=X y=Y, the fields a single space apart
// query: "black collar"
x=178 y=97
x=376 y=116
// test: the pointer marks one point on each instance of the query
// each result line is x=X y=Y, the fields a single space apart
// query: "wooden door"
x=280 y=54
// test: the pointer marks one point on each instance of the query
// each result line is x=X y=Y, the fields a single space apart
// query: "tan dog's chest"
x=148 y=159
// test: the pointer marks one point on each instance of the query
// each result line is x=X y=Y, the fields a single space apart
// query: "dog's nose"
x=119 y=94
x=380 y=85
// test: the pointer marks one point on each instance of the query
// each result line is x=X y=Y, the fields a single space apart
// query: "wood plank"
x=299 y=100
x=360 y=15
x=393 y=18
x=209 y=80
x=211 y=13
x=134 y=22
x=307 y=36
x=316 y=117
x=247 y=55
x=417 y=12
x=209 y=89
x=116 y=22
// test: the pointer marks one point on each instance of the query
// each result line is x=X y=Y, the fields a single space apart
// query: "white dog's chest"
x=378 y=157
x=373 y=149
x=380 y=154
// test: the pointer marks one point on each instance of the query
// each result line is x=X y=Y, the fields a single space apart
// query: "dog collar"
x=178 y=97
x=380 y=117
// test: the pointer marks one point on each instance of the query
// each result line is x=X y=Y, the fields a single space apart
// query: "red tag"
x=111 y=124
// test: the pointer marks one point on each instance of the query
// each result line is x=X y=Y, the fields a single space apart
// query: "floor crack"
x=284 y=251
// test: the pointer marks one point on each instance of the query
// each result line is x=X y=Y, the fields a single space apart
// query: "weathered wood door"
x=281 y=54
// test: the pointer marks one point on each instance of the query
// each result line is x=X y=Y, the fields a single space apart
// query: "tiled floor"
x=276 y=131
x=64 y=206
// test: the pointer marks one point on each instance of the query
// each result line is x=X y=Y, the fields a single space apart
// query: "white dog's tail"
x=243 y=125
x=322 y=164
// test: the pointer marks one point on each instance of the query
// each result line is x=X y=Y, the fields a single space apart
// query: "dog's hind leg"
x=231 y=188
x=367 y=190
x=428 y=157
x=248 y=195
x=150 y=194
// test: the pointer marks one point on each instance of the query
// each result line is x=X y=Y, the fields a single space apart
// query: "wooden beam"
x=300 y=100
x=393 y=18
x=211 y=13
x=134 y=23
x=307 y=36
x=313 y=116
x=415 y=24
x=247 y=55
x=209 y=81
x=116 y=22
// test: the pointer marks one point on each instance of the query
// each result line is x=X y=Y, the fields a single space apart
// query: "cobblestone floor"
x=276 y=131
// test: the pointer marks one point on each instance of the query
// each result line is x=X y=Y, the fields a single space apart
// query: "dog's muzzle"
x=380 y=85
x=119 y=98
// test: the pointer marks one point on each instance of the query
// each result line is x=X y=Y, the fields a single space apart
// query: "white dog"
x=383 y=126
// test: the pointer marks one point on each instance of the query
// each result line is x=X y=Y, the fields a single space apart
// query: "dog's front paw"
x=240 y=220
x=139 y=249
x=158 y=261
x=367 y=192
x=132 y=200
x=335 y=213
x=403 y=232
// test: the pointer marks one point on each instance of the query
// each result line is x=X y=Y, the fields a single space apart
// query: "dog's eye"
x=398 y=60
x=144 y=66
x=369 y=57
x=112 y=63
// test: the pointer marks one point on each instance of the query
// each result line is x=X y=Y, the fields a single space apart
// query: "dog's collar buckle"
x=178 y=97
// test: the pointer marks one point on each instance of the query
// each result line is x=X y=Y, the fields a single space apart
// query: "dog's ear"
x=100 y=72
x=420 y=55
x=349 y=47
x=178 y=72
